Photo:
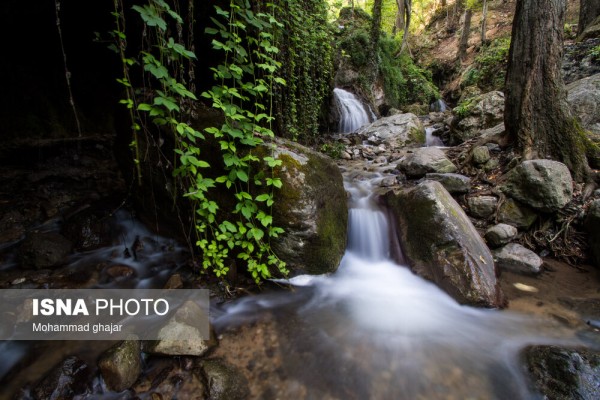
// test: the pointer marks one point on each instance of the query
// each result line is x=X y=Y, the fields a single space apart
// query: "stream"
x=375 y=330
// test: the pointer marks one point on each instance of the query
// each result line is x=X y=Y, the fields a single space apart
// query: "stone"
x=516 y=258
x=88 y=230
x=491 y=165
x=312 y=209
x=183 y=334
x=592 y=31
x=398 y=130
x=592 y=226
x=44 y=250
x=579 y=61
x=424 y=160
x=563 y=374
x=174 y=282
x=454 y=183
x=481 y=155
x=484 y=111
x=514 y=213
x=225 y=382
x=499 y=235
x=441 y=244
x=494 y=131
x=121 y=365
x=544 y=185
x=482 y=206
x=584 y=99
x=64 y=381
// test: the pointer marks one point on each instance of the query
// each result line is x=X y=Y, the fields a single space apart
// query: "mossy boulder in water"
x=441 y=245
x=562 y=374
x=312 y=209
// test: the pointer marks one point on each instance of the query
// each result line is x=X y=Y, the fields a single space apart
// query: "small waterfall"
x=368 y=234
x=353 y=114
x=432 y=140
x=438 y=106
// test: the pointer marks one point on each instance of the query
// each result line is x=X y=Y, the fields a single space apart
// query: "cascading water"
x=353 y=114
x=431 y=139
x=375 y=330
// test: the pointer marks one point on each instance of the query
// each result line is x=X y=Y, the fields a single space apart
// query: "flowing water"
x=432 y=140
x=353 y=113
x=374 y=330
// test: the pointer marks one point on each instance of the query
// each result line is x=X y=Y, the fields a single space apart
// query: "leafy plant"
x=595 y=53
x=489 y=68
x=244 y=95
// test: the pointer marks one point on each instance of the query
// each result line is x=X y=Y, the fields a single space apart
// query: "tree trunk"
x=589 y=10
x=464 y=37
x=399 y=25
x=537 y=117
x=376 y=25
x=407 y=15
x=484 y=22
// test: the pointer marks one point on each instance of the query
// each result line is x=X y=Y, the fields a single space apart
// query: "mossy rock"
x=441 y=244
x=311 y=207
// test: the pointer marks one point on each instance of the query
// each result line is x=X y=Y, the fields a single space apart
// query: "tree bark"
x=399 y=24
x=464 y=37
x=484 y=21
x=376 y=25
x=589 y=10
x=537 y=117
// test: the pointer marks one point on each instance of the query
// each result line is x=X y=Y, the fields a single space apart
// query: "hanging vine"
x=244 y=94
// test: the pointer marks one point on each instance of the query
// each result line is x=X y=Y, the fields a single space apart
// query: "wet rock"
x=491 y=165
x=514 y=213
x=481 y=155
x=171 y=378
x=11 y=227
x=88 y=230
x=482 y=206
x=483 y=111
x=174 y=282
x=442 y=246
x=544 y=185
x=121 y=365
x=584 y=99
x=499 y=235
x=182 y=334
x=312 y=209
x=454 y=183
x=225 y=382
x=516 y=258
x=388 y=181
x=64 y=381
x=424 y=160
x=120 y=271
x=564 y=374
x=44 y=250
x=397 y=130
x=592 y=226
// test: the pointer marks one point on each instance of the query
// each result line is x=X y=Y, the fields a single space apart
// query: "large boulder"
x=441 y=244
x=592 y=225
x=454 y=183
x=544 y=185
x=584 y=99
x=397 y=131
x=312 y=209
x=564 y=374
x=473 y=115
x=514 y=213
x=425 y=160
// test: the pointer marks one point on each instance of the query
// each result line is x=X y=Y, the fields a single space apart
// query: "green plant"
x=463 y=109
x=489 y=68
x=595 y=53
x=244 y=95
x=333 y=150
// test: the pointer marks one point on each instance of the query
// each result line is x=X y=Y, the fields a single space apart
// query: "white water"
x=375 y=319
x=432 y=140
x=353 y=113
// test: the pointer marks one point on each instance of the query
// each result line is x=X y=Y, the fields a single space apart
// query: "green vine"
x=244 y=95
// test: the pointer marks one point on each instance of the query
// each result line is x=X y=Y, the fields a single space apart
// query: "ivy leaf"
x=242 y=176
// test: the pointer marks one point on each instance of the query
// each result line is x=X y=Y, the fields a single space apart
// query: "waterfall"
x=352 y=112
x=383 y=326
x=438 y=106
x=432 y=140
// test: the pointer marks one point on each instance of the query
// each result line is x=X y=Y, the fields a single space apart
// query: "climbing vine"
x=244 y=95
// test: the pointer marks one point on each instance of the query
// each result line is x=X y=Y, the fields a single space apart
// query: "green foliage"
x=404 y=82
x=463 y=109
x=333 y=150
x=488 y=72
x=244 y=94
x=355 y=46
x=595 y=53
x=307 y=67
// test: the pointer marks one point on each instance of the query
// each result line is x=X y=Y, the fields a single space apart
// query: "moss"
x=417 y=135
